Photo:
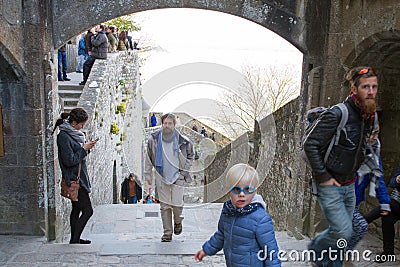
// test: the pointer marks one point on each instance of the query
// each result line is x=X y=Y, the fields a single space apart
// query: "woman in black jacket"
x=72 y=150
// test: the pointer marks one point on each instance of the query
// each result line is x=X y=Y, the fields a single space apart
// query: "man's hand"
x=384 y=212
x=398 y=179
x=331 y=181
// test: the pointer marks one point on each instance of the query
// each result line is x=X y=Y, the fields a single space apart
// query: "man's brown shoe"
x=166 y=238
x=177 y=228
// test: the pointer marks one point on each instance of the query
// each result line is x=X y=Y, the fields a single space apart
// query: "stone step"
x=70 y=101
x=69 y=93
x=69 y=108
x=70 y=87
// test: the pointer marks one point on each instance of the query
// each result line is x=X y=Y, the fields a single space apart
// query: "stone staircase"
x=69 y=95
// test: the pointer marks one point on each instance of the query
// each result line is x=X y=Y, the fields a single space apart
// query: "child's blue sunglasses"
x=247 y=190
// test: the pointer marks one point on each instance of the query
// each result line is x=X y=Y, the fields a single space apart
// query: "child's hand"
x=200 y=255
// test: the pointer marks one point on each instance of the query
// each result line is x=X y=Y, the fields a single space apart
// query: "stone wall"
x=21 y=161
x=238 y=151
x=24 y=98
x=284 y=176
x=283 y=188
x=118 y=152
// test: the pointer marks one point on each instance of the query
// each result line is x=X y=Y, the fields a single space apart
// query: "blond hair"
x=242 y=172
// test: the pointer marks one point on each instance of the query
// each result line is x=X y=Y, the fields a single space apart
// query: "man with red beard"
x=334 y=176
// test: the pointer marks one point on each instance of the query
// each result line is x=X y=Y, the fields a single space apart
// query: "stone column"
x=39 y=98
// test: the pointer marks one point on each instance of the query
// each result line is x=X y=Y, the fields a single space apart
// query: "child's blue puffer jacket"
x=242 y=233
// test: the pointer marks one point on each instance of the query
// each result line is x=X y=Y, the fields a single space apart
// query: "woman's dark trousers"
x=82 y=207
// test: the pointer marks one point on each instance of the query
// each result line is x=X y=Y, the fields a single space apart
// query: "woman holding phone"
x=72 y=152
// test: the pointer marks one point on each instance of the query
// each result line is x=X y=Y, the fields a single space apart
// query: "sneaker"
x=166 y=238
x=177 y=228
x=82 y=83
x=78 y=71
x=66 y=79
x=61 y=80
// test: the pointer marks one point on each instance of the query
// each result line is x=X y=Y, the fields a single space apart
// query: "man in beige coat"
x=171 y=155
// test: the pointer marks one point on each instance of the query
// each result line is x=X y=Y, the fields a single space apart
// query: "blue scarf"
x=159 y=151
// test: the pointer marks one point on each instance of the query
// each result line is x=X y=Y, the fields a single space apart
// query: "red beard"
x=368 y=106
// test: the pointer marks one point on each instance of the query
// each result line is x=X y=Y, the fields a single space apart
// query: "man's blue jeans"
x=132 y=200
x=337 y=203
x=81 y=60
x=62 y=65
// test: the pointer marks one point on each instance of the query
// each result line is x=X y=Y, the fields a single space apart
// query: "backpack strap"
x=342 y=123
x=343 y=120
x=376 y=121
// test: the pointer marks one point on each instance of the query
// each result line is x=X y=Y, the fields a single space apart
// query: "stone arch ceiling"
x=378 y=49
x=279 y=16
x=382 y=52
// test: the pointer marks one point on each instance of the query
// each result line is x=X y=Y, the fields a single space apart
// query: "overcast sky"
x=182 y=36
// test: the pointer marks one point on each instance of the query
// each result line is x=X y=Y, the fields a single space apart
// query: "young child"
x=245 y=231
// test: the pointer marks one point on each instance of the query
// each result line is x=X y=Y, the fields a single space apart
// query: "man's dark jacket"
x=125 y=191
x=100 y=45
x=345 y=158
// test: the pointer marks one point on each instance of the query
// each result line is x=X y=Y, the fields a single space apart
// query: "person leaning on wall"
x=72 y=153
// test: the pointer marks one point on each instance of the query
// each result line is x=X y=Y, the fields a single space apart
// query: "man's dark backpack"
x=313 y=116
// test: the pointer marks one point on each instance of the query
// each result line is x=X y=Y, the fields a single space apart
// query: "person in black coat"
x=72 y=153
x=131 y=191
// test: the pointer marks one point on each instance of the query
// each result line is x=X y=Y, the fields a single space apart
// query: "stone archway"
x=278 y=16
x=382 y=52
